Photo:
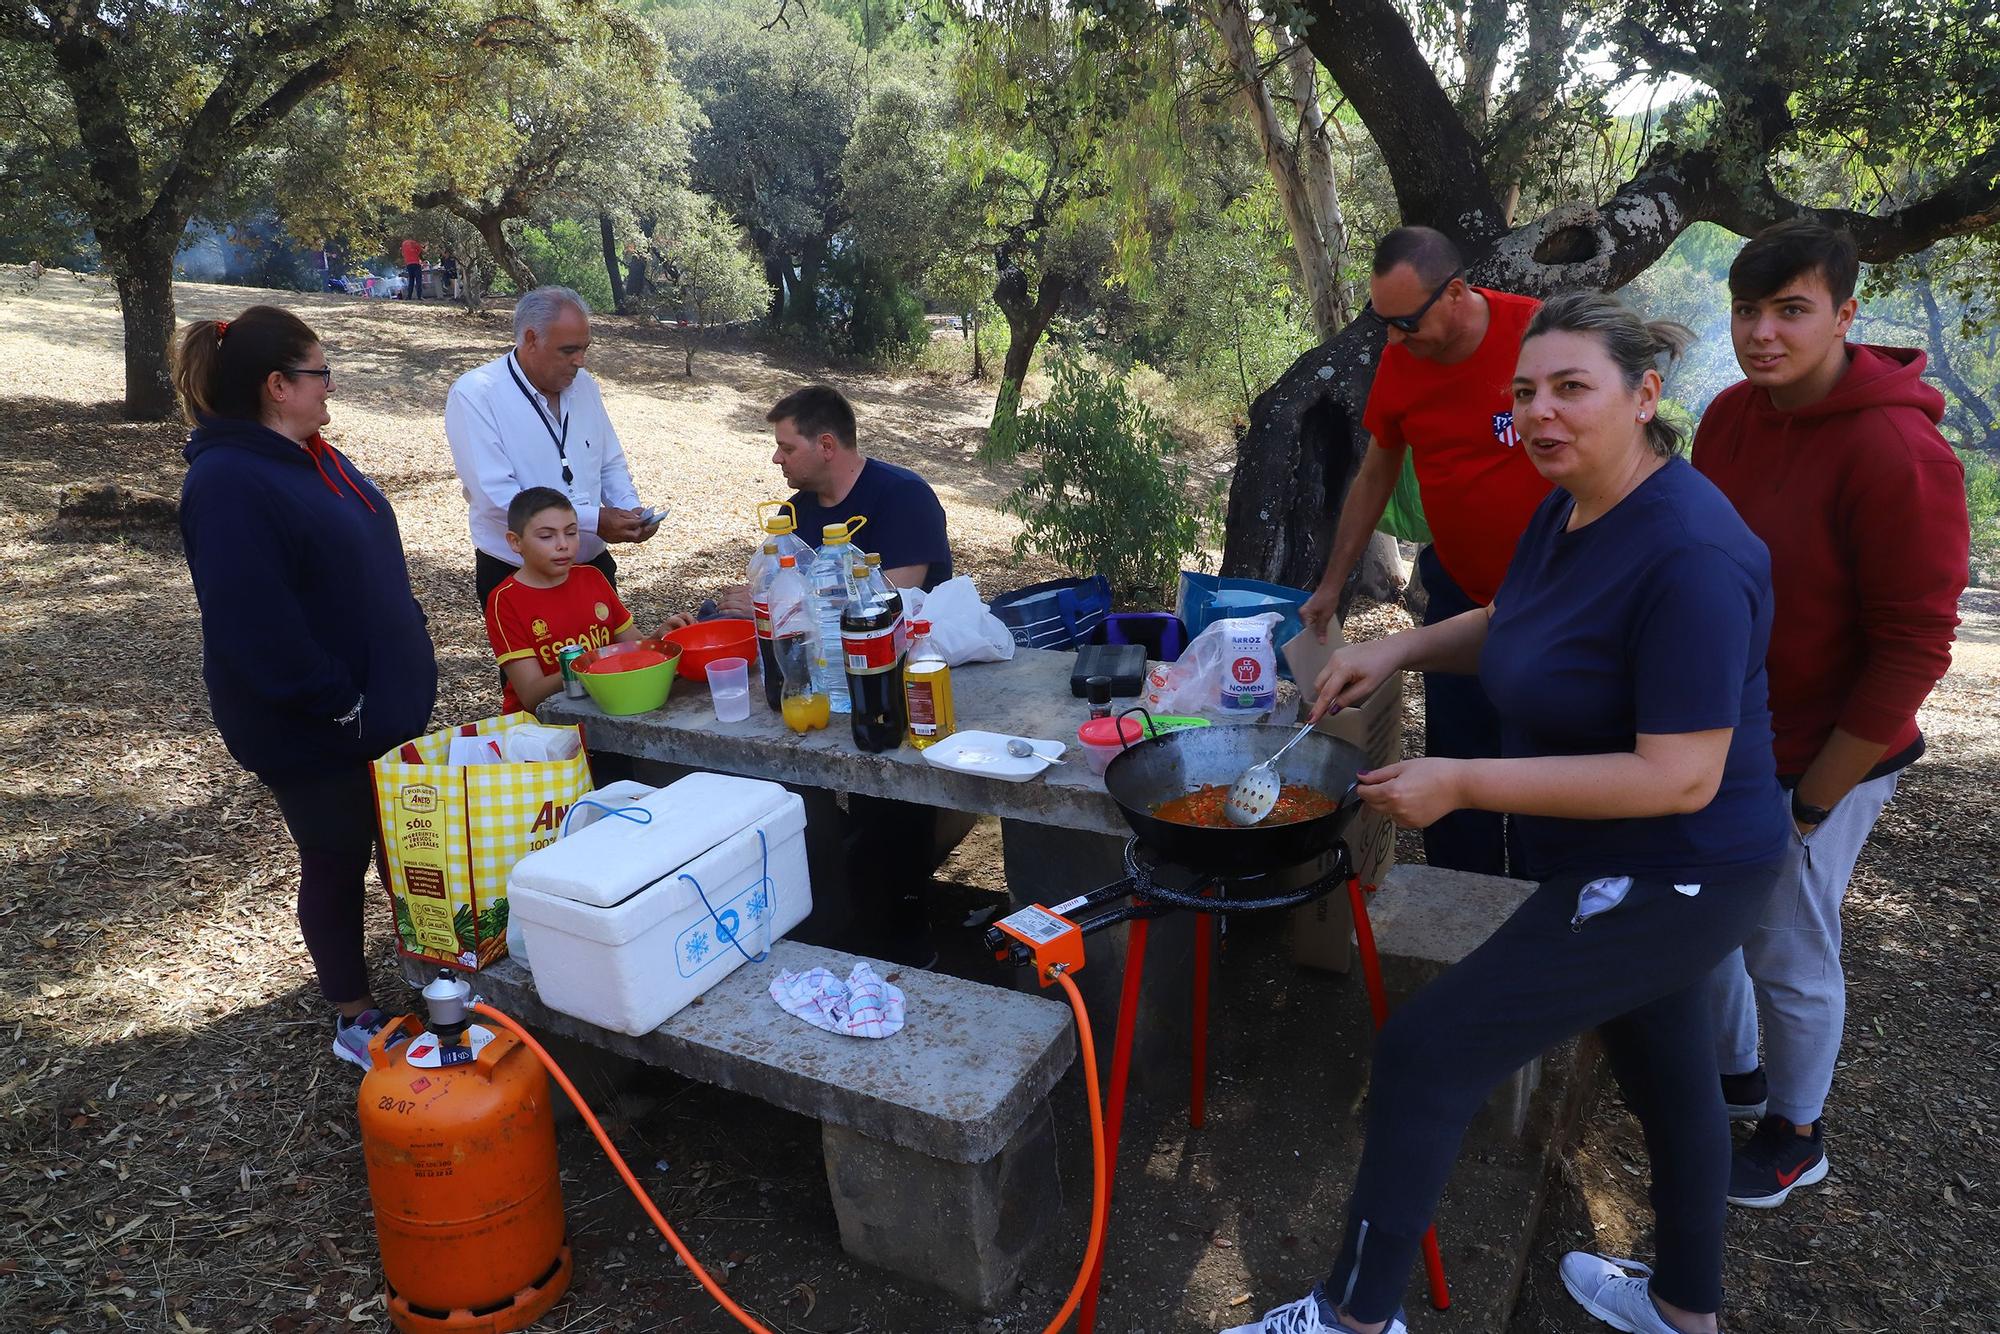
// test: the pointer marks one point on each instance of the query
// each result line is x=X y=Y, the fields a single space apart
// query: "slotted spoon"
x=1254 y=794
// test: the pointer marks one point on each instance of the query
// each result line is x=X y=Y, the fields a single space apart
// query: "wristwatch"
x=1807 y=815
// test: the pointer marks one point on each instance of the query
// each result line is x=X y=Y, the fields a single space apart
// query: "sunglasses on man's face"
x=1410 y=323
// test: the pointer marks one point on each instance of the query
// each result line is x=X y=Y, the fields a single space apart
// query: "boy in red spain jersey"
x=550 y=602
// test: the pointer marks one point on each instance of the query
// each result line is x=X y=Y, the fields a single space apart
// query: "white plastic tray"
x=985 y=754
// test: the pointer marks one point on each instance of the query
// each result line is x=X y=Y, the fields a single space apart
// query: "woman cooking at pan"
x=1625 y=655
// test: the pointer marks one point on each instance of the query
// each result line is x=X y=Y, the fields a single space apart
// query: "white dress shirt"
x=504 y=437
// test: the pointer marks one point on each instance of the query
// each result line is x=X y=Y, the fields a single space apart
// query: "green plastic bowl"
x=638 y=691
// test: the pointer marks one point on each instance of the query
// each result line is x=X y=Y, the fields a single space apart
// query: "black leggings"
x=1638 y=973
x=332 y=820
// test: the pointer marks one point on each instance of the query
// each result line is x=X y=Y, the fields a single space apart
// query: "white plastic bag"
x=1194 y=683
x=962 y=629
x=527 y=742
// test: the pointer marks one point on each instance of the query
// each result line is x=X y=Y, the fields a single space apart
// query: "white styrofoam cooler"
x=587 y=811
x=616 y=931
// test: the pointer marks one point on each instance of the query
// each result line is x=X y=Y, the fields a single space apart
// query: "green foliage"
x=877 y=314
x=1111 y=492
x=570 y=254
x=1228 y=319
x=1982 y=504
x=706 y=274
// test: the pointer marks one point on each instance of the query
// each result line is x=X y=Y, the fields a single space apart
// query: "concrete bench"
x=1426 y=919
x=940 y=1149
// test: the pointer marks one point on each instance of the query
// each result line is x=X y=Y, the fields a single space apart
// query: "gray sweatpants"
x=1788 y=973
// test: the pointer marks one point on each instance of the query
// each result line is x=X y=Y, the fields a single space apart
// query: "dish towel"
x=864 y=1006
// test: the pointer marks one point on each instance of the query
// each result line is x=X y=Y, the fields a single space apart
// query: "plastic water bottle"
x=831 y=582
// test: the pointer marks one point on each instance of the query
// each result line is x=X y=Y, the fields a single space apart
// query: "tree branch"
x=1967 y=202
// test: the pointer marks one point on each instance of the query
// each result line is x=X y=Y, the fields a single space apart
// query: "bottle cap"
x=788 y=563
x=833 y=532
x=920 y=627
x=874 y=557
x=1099 y=688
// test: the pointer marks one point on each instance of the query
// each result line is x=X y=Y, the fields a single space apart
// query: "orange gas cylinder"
x=461 y=1148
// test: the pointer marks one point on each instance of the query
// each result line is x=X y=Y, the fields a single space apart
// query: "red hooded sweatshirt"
x=1862 y=504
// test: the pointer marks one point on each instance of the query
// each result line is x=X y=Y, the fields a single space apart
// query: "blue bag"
x=1056 y=614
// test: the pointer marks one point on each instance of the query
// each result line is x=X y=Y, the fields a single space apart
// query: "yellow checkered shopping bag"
x=451 y=833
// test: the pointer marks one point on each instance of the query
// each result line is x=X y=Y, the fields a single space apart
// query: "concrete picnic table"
x=1027 y=696
x=1061 y=833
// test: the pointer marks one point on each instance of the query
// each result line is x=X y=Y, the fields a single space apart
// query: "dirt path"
x=177 y=1151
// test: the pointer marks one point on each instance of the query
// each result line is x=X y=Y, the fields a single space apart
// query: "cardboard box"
x=1322 y=934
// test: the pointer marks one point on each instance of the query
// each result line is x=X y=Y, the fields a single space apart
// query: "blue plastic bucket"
x=1207 y=598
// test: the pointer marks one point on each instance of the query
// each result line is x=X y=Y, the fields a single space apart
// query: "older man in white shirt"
x=534 y=417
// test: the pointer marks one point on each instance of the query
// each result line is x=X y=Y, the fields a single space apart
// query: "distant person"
x=1441 y=393
x=329 y=270
x=550 y=603
x=413 y=269
x=314 y=650
x=890 y=854
x=1830 y=451
x=448 y=273
x=535 y=417
x=1625 y=648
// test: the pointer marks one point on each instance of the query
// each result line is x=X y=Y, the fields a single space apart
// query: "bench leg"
x=962 y=1229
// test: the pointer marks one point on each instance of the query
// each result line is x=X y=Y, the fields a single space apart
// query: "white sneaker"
x=1622 y=1300
x=1302 y=1317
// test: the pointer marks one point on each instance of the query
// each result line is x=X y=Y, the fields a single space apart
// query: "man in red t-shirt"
x=1444 y=390
x=1831 y=453
x=551 y=602
x=413 y=269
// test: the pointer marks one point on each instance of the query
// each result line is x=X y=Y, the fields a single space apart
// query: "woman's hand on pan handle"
x=1415 y=793
x=1353 y=673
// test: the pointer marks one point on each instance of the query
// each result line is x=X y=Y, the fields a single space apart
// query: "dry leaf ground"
x=177 y=1147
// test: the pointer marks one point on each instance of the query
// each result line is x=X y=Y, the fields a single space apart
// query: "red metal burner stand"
x=1121 y=1064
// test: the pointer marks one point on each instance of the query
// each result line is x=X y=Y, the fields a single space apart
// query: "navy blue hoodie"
x=305 y=604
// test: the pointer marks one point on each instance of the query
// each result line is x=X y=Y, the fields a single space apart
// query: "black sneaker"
x=1776 y=1161
x=1744 y=1095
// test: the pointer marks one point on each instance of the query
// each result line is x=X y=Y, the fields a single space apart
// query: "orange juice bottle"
x=927 y=690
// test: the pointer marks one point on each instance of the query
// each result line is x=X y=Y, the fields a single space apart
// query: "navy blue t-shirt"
x=905 y=521
x=1654 y=618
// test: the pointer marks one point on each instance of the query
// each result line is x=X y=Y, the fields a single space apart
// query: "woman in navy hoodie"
x=313 y=647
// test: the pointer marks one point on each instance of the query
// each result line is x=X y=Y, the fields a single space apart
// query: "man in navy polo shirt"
x=891 y=844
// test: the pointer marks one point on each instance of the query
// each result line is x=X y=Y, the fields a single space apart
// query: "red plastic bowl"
x=712 y=641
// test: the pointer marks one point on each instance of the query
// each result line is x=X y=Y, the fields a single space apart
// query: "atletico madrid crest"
x=1503 y=429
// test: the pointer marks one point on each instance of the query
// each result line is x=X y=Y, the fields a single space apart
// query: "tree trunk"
x=1947 y=374
x=1316 y=236
x=493 y=231
x=145 y=278
x=1294 y=464
x=1315 y=159
x=1027 y=321
x=608 y=237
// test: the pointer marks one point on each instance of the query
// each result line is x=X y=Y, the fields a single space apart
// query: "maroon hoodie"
x=1862 y=504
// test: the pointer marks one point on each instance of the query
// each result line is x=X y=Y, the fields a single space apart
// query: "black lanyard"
x=542 y=414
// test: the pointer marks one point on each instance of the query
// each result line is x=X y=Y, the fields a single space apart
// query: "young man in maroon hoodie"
x=1830 y=451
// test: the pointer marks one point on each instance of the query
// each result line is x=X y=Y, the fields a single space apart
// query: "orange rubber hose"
x=618 y=1161
x=1100 y=1170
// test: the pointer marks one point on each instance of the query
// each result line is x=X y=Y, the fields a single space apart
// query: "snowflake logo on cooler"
x=697 y=947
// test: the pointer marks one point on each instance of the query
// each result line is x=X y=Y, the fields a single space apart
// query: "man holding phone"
x=535 y=417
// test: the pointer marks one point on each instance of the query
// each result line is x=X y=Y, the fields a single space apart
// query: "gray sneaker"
x=1302 y=1317
x=352 y=1036
x=1618 y=1292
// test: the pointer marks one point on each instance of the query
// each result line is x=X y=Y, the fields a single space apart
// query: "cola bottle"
x=871 y=635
